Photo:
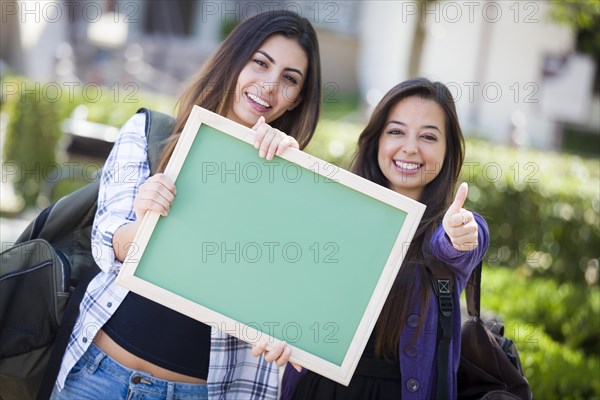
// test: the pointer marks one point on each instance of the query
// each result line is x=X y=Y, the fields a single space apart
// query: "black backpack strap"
x=473 y=292
x=158 y=129
x=442 y=281
x=443 y=291
x=61 y=341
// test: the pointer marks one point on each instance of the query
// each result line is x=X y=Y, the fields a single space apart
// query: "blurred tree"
x=418 y=39
x=584 y=17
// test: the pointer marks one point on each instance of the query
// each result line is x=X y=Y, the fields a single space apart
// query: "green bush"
x=555 y=371
x=33 y=134
x=542 y=208
x=567 y=312
x=556 y=328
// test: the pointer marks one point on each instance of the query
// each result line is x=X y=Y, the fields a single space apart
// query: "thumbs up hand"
x=460 y=224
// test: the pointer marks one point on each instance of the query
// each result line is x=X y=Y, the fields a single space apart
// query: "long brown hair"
x=214 y=85
x=410 y=285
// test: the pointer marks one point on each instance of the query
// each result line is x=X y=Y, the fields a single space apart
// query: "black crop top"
x=161 y=336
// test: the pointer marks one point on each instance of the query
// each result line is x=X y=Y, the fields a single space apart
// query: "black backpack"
x=43 y=278
x=490 y=367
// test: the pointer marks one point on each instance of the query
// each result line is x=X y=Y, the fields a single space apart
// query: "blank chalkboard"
x=293 y=249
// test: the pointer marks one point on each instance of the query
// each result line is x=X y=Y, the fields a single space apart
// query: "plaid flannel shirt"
x=233 y=372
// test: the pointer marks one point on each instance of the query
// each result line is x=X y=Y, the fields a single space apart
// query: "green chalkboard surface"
x=292 y=249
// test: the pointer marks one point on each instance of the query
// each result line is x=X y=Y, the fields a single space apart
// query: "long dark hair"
x=410 y=285
x=214 y=85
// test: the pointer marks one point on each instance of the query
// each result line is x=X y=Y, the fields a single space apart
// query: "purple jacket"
x=417 y=359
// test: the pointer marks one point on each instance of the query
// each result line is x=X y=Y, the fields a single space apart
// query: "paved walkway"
x=10 y=229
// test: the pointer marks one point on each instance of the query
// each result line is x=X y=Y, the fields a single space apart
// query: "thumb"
x=261 y=120
x=459 y=199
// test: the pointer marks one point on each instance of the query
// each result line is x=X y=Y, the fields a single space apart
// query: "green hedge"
x=556 y=328
x=542 y=209
x=568 y=313
x=33 y=133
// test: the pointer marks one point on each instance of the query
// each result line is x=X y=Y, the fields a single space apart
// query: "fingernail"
x=288 y=351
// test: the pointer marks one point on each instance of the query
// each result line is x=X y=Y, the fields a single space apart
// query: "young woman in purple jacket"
x=413 y=145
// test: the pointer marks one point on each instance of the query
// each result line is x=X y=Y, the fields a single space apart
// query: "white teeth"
x=404 y=165
x=258 y=100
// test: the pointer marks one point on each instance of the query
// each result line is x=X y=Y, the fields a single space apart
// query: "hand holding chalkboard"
x=270 y=141
x=156 y=194
x=279 y=353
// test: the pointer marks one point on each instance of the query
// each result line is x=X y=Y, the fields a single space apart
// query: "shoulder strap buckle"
x=443 y=290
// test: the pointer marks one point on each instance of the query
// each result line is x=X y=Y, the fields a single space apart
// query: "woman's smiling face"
x=412 y=146
x=271 y=81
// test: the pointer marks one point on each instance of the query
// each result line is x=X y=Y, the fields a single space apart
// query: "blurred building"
x=513 y=71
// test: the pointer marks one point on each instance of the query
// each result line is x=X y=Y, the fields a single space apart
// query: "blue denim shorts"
x=97 y=376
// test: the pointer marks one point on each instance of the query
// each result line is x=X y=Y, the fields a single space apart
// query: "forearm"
x=123 y=239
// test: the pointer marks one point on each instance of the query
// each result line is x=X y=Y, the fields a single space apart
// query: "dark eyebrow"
x=424 y=126
x=264 y=53
x=396 y=122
